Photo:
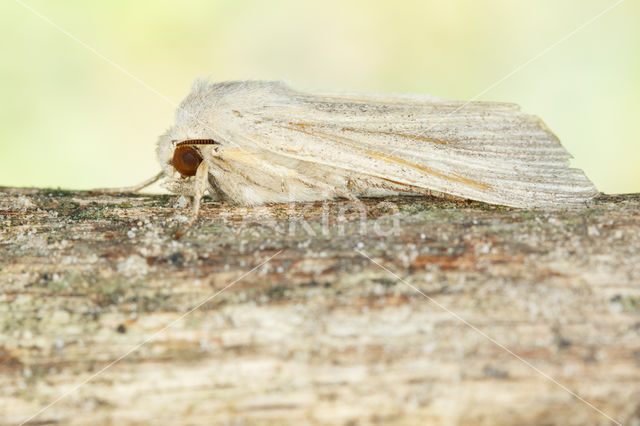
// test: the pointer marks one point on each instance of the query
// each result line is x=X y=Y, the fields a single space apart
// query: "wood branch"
x=465 y=313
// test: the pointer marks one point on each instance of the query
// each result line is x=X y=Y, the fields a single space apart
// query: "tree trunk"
x=408 y=310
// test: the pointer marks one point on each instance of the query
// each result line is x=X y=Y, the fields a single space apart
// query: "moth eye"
x=186 y=160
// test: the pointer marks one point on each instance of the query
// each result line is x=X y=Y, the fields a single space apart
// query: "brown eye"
x=186 y=160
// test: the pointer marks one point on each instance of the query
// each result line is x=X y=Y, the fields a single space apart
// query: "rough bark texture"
x=320 y=333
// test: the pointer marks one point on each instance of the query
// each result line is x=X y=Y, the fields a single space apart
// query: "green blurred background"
x=70 y=119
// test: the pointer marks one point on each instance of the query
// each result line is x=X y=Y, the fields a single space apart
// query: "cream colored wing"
x=485 y=151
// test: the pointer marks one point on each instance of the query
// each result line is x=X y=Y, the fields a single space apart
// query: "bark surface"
x=406 y=310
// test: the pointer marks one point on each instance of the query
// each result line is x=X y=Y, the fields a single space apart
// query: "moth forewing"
x=483 y=151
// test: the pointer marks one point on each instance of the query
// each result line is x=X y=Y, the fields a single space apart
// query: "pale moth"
x=260 y=142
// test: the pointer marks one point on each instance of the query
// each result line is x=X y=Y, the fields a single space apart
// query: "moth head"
x=180 y=158
x=186 y=157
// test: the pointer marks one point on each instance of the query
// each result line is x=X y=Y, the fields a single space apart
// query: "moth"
x=261 y=142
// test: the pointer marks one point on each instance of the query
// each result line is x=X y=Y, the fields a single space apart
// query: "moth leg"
x=201 y=180
x=348 y=196
x=134 y=188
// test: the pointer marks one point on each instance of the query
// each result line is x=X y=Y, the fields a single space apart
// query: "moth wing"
x=484 y=151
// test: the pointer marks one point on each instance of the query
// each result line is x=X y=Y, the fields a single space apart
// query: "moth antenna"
x=134 y=188
x=200 y=186
x=197 y=142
